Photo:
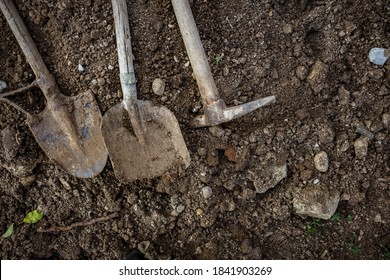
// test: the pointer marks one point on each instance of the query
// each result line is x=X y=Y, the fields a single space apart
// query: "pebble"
x=326 y=134
x=365 y=132
x=27 y=181
x=217 y=131
x=316 y=201
x=158 y=86
x=3 y=85
x=10 y=142
x=317 y=75
x=361 y=147
x=180 y=208
x=386 y=120
x=80 y=68
x=301 y=72
x=321 y=161
x=344 y=96
x=287 y=29
x=207 y=192
x=379 y=56
x=101 y=82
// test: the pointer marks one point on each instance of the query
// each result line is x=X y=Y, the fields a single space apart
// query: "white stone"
x=361 y=147
x=158 y=86
x=3 y=85
x=321 y=161
x=379 y=56
x=207 y=192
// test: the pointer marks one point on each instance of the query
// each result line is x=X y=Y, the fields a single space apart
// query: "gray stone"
x=386 y=120
x=316 y=201
x=10 y=142
x=379 y=56
x=158 y=86
x=317 y=75
x=207 y=192
x=321 y=161
x=270 y=177
x=361 y=147
x=3 y=86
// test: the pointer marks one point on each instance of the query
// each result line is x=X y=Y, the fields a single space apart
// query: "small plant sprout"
x=218 y=58
x=351 y=244
x=31 y=218
x=349 y=218
x=313 y=226
x=336 y=218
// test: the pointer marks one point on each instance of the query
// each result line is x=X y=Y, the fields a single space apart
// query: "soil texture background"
x=329 y=128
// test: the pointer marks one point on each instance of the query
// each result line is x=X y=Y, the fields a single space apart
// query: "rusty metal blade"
x=69 y=133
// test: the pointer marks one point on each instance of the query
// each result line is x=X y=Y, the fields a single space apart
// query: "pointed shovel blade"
x=68 y=131
x=164 y=149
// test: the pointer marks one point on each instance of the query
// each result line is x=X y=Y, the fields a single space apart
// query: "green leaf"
x=33 y=217
x=349 y=218
x=9 y=231
x=336 y=217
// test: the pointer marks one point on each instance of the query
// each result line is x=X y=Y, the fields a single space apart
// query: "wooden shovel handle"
x=15 y=22
x=125 y=53
x=195 y=51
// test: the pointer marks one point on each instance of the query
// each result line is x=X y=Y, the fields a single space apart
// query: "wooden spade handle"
x=15 y=22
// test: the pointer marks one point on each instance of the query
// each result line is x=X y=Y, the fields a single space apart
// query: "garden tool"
x=143 y=141
x=215 y=110
x=68 y=129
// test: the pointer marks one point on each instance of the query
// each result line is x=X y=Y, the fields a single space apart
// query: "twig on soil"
x=79 y=224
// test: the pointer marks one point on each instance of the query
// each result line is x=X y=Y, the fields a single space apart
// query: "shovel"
x=215 y=110
x=68 y=129
x=143 y=141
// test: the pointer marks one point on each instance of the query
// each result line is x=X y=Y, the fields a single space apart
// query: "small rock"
x=27 y=181
x=212 y=157
x=344 y=96
x=326 y=134
x=316 y=201
x=301 y=72
x=217 y=131
x=231 y=154
x=365 y=132
x=361 y=147
x=379 y=56
x=180 y=208
x=287 y=29
x=270 y=177
x=158 y=86
x=80 y=68
x=386 y=120
x=246 y=246
x=101 y=82
x=3 y=85
x=143 y=246
x=207 y=192
x=317 y=75
x=378 y=218
x=321 y=161
x=10 y=142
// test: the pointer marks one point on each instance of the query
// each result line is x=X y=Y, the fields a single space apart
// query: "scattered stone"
x=326 y=134
x=316 y=201
x=378 y=218
x=143 y=246
x=217 y=131
x=365 y=132
x=180 y=208
x=321 y=161
x=199 y=211
x=3 y=85
x=301 y=72
x=361 y=147
x=349 y=27
x=10 y=142
x=317 y=75
x=212 y=157
x=101 y=82
x=287 y=29
x=19 y=169
x=231 y=154
x=386 y=120
x=379 y=56
x=158 y=86
x=246 y=246
x=344 y=96
x=269 y=178
x=207 y=192
x=27 y=181
x=80 y=68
